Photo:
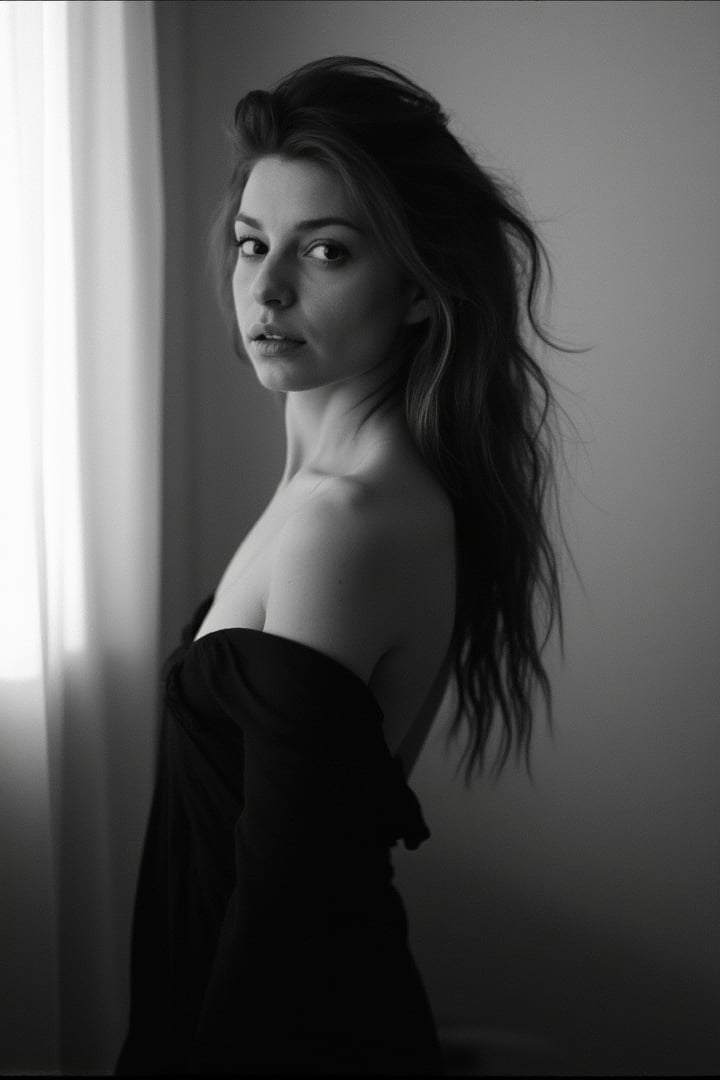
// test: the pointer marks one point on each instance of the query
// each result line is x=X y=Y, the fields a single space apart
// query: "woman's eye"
x=249 y=246
x=326 y=252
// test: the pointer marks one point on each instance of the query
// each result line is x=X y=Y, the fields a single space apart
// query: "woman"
x=383 y=283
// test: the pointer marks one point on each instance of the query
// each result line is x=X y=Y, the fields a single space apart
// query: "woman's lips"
x=275 y=346
x=271 y=330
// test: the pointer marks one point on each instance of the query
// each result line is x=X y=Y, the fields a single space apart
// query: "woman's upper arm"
x=333 y=584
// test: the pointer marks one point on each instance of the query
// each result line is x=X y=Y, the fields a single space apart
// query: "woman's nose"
x=273 y=285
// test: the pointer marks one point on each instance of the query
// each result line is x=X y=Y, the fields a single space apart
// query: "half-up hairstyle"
x=476 y=401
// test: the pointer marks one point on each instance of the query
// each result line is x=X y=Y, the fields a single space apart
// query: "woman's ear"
x=418 y=310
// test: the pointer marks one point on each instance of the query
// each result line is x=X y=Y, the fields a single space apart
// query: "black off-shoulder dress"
x=268 y=937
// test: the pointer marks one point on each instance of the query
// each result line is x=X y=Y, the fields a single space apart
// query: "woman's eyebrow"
x=302 y=226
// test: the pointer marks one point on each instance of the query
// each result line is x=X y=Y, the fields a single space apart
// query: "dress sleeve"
x=311 y=972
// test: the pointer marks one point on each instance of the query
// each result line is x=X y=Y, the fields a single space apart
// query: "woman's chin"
x=286 y=377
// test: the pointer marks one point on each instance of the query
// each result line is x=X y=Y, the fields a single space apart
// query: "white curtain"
x=81 y=248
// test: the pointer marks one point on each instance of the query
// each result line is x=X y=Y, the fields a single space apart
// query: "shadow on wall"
x=585 y=1004
x=477 y=1051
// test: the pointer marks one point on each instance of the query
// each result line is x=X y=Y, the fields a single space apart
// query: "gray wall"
x=580 y=912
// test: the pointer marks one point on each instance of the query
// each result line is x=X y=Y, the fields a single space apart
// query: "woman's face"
x=317 y=302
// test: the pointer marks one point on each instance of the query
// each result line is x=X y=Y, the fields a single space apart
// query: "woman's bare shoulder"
x=352 y=567
x=389 y=510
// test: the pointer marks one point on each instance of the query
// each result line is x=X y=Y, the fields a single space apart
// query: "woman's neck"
x=328 y=430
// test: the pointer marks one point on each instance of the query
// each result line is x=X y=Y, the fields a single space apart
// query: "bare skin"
x=354 y=554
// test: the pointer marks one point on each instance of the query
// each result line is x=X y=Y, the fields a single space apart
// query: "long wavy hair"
x=476 y=401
